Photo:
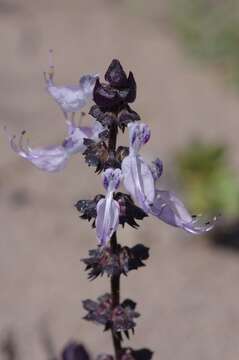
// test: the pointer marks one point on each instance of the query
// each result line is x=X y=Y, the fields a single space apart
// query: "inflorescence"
x=97 y=142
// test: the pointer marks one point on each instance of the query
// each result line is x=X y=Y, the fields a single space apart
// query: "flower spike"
x=100 y=148
x=108 y=209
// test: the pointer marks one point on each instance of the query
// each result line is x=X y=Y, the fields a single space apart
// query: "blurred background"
x=185 y=58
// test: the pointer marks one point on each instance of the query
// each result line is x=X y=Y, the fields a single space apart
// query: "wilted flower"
x=54 y=158
x=70 y=98
x=108 y=209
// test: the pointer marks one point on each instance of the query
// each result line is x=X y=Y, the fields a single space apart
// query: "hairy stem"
x=115 y=293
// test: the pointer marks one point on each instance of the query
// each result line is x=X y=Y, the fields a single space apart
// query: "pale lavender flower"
x=168 y=208
x=70 y=98
x=54 y=158
x=137 y=175
x=140 y=181
x=108 y=209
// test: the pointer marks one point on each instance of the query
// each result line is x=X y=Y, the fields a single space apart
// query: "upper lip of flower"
x=70 y=98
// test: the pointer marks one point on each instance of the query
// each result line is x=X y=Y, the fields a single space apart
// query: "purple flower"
x=108 y=209
x=138 y=178
x=168 y=208
x=54 y=158
x=70 y=98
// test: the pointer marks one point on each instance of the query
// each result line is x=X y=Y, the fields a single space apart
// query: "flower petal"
x=156 y=169
x=111 y=179
x=139 y=134
x=107 y=219
x=87 y=84
x=168 y=208
x=74 y=143
x=51 y=158
x=108 y=209
x=138 y=180
x=73 y=98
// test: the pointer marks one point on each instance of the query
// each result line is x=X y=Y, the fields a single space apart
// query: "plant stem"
x=112 y=137
x=115 y=294
x=115 y=279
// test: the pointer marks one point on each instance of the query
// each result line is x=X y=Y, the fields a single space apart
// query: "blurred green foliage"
x=207 y=180
x=210 y=30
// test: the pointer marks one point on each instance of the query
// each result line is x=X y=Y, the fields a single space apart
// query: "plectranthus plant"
x=119 y=167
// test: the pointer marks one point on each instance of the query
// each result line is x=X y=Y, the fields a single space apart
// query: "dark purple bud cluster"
x=75 y=351
x=142 y=354
x=128 y=210
x=104 y=261
x=122 y=118
x=119 y=319
x=112 y=98
x=87 y=208
x=97 y=154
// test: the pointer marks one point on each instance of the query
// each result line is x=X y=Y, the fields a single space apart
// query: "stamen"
x=21 y=139
x=28 y=148
x=51 y=65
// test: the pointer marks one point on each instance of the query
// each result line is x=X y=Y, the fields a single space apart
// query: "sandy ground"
x=188 y=293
